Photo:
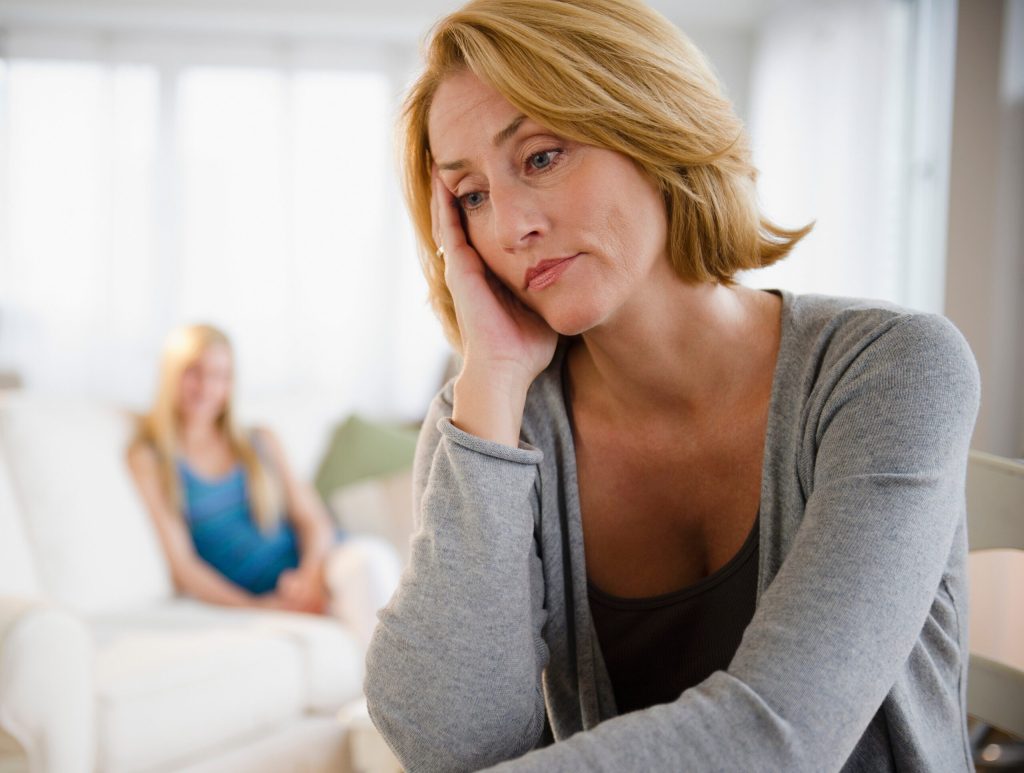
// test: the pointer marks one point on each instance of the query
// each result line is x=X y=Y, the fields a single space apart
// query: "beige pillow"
x=381 y=507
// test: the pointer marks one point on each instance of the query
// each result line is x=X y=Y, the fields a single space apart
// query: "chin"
x=203 y=414
x=574 y=321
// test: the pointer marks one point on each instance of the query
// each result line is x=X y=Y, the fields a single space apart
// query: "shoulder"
x=266 y=444
x=829 y=321
x=145 y=464
x=829 y=332
x=261 y=435
x=142 y=456
x=870 y=361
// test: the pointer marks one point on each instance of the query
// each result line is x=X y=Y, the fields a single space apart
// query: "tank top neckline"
x=210 y=480
x=701 y=586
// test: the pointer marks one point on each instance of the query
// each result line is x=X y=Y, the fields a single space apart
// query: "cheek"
x=638 y=229
x=189 y=386
x=215 y=389
x=477 y=231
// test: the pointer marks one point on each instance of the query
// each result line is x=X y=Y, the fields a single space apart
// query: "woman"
x=237 y=527
x=667 y=521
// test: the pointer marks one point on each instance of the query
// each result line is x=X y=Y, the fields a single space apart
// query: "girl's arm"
x=190 y=573
x=306 y=512
x=312 y=524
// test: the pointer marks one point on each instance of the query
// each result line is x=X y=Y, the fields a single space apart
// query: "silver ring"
x=439 y=253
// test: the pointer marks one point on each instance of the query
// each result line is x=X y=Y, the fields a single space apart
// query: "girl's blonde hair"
x=160 y=428
x=617 y=75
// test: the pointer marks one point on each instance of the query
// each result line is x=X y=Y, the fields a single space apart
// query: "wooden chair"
x=995 y=691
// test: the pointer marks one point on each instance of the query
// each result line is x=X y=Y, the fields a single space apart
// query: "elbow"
x=183 y=577
x=434 y=723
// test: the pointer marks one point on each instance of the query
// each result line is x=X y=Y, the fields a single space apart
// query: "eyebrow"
x=499 y=139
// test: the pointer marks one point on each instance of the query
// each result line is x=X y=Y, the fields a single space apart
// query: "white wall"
x=985 y=268
x=985 y=276
x=730 y=51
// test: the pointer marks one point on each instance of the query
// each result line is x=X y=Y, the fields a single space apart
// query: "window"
x=258 y=195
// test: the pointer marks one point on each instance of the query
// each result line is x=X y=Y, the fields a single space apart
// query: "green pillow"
x=361 y=449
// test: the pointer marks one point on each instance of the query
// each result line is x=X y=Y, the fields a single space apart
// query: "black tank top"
x=655 y=648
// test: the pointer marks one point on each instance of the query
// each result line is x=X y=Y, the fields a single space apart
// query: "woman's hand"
x=505 y=344
x=498 y=331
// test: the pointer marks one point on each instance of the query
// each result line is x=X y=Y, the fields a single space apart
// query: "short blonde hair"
x=617 y=75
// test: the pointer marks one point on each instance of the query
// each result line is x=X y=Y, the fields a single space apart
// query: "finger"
x=453 y=237
x=508 y=298
x=435 y=228
x=499 y=288
x=289 y=586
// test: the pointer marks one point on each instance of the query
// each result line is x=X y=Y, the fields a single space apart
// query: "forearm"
x=201 y=581
x=462 y=634
x=316 y=537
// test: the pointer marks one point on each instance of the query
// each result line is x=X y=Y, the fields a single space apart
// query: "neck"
x=680 y=348
x=198 y=432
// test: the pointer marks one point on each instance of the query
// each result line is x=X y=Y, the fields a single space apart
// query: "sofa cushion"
x=361 y=449
x=93 y=543
x=216 y=675
x=17 y=568
x=312 y=744
x=332 y=658
x=212 y=685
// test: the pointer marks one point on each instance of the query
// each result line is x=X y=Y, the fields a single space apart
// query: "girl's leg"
x=361 y=574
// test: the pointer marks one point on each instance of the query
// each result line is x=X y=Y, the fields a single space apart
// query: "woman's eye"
x=472 y=200
x=543 y=159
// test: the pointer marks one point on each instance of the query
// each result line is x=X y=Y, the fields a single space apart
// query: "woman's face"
x=206 y=385
x=574 y=231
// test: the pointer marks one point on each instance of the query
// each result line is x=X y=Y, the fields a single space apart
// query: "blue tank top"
x=226 y=536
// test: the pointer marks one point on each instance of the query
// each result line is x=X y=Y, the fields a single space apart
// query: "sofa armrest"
x=47 y=697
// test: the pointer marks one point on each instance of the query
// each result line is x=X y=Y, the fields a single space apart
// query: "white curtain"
x=832 y=120
x=138 y=195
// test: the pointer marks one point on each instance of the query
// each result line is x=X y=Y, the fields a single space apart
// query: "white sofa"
x=102 y=666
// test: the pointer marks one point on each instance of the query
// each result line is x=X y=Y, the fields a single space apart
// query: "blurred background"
x=233 y=161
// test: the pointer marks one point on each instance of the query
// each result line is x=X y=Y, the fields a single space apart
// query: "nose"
x=519 y=219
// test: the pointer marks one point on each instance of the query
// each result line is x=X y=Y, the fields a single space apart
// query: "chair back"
x=995 y=520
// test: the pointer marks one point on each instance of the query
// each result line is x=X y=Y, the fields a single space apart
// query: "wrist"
x=314 y=570
x=489 y=406
x=263 y=601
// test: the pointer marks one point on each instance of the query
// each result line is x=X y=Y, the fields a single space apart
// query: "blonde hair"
x=617 y=75
x=160 y=428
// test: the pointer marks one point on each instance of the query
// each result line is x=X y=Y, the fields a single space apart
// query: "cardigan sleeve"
x=832 y=632
x=454 y=668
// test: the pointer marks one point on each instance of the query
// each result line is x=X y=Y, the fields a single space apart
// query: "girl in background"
x=238 y=528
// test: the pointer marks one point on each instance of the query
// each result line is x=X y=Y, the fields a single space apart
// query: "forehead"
x=465 y=112
x=214 y=355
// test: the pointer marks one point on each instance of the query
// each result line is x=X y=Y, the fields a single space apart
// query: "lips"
x=546 y=272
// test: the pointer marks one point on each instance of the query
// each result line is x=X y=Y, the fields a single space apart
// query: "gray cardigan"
x=856 y=655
